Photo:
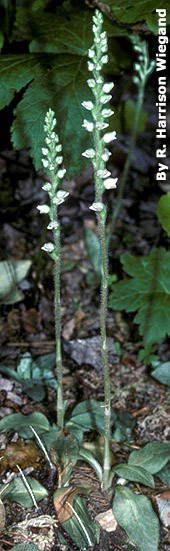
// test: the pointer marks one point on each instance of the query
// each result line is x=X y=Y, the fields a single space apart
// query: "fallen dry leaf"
x=25 y=455
x=107 y=521
x=163 y=503
x=63 y=498
x=68 y=329
x=2 y=515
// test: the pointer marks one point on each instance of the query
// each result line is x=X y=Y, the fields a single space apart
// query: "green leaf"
x=89 y=415
x=34 y=375
x=135 y=515
x=163 y=212
x=21 y=423
x=66 y=449
x=126 y=11
x=25 y=547
x=85 y=533
x=164 y=475
x=162 y=373
x=49 y=438
x=153 y=457
x=55 y=73
x=18 y=492
x=148 y=292
x=124 y=425
x=11 y=273
x=136 y=474
x=93 y=248
x=88 y=456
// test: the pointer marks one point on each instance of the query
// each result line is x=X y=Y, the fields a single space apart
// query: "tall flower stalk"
x=143 y=68
x=52 y=161
x=99 y=154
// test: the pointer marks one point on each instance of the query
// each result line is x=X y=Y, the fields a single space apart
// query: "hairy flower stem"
x=100 y=112
x=52 y=161
x=104 y=349
x=57 y=308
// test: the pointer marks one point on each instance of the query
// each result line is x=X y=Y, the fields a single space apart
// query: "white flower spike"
x=48 y=247
x=88 y=125
x=53 y=225
x=105 y=99
x=45 y=163
x=107 y=87
x=89 y=153
x=105 y=155
x=60 y=197
x=97 y=207
x=47 y=186
x=61 y=173
x=103 y=173
x=109 y=137
x=110 y=183
x=106 y=113
x=43 y=209
x=87 y=105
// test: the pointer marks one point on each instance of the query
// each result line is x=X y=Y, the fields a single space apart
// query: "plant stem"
x=104 y=348
x=57 y=307
x=123 y=179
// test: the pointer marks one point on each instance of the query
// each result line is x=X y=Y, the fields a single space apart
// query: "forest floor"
x=28 y=326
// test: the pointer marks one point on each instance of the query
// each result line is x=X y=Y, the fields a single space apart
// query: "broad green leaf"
x=25 y=547
x=89 y=415
x=10 y=372
x=84 y=532
x=24 y=366
x=164 y=475
x=34 y=376
x=66 y=449
x=49 y=437
x=148 y=292
x=135 y=515
x=162 y=373
x=127 y=11
x=69 y=31
x=21 y=423
x=136 y=474
x=153 y=457
x=163 y=212
x=11 y=273
x=55 y=73
x=92 y=244
x=124 y=425
x=16 y=71
x=89 y=457
x=18 y=492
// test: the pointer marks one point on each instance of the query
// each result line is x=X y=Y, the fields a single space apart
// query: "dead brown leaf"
x=68 y=329
x=63 y=500
x=163 y=503
x=25 y=455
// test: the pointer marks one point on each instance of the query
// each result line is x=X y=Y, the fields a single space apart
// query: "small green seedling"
x=34 y=376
